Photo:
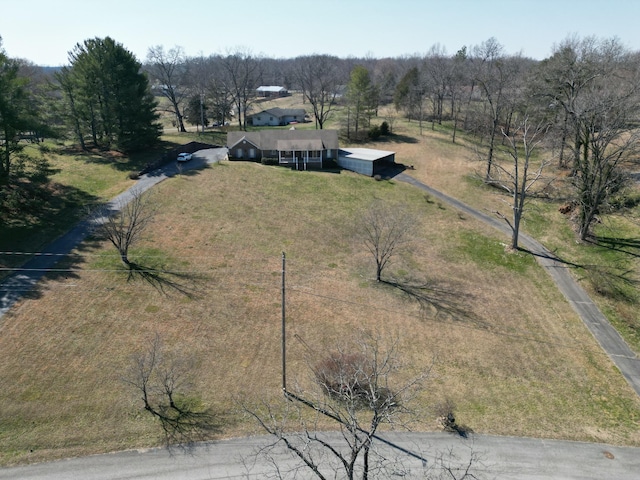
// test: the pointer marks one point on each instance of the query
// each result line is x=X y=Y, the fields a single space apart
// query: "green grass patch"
x=491 y=253
x=514 y=363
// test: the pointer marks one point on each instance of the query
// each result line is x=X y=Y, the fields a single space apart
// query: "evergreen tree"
x=15 y=115
x=108 y=96
x=196 y=111
x=362 y=96
x=21 y=176
x=408 y=93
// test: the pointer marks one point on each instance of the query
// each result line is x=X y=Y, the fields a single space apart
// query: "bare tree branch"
x=126 y=225
x=163 y=382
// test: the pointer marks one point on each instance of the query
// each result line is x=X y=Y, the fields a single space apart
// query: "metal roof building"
x=366 y=161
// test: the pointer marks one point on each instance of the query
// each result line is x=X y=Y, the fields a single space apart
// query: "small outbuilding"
x=270 y=91
x=366 y=161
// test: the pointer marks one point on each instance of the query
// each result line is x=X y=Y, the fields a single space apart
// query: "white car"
x=184 y=157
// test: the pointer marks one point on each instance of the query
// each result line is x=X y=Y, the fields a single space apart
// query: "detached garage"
x=365 y=160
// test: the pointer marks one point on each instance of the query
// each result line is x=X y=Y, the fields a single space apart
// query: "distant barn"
x=269 y=91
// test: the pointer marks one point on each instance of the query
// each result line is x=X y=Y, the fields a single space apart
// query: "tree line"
x=583 y=100
x=579 y=106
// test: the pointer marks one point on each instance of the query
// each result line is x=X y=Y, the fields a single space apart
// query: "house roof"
x=286 y=139
x=270 y=88
x=369 y=154
x=282 y=112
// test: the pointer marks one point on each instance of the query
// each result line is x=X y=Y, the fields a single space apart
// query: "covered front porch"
x=300 y=154
x=300 y=160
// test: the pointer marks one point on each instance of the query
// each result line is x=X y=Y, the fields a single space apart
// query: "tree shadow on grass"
x=615 y=280
x=628 y=246
x=447 y=302
x=167 y=281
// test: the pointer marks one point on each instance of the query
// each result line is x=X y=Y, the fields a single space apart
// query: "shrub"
x=353 y=379
x=384 y=129
x=374 y=132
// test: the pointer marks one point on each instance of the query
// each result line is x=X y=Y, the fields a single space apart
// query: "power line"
x=225 y=272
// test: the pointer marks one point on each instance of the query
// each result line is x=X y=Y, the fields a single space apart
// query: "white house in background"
x=268 y=91
x=274 y=117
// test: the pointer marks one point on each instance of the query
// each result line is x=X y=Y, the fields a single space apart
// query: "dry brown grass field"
x=519 y=363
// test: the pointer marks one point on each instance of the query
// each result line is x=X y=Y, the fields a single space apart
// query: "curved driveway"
x=607 y=336
x=25 y=279
x=501 y=457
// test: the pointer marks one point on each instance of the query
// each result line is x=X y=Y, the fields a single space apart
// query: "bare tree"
x=355 y=389
x=219 y=91
x=242 y=73
x=457 y=87
x=605 y=135
x=496 y=75
x=124 y=225
x=169 y=69
x=163 y=381
x=319 y=79
x=385 y=229
x=438 y=72
x=563 y=80
x=518 y=179
x=608 y=143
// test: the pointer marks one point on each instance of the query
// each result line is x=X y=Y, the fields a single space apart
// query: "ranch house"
x=299 y=149
x=306 y=149
x=274 y=117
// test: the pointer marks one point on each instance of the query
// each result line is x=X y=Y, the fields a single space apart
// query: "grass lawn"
x=518 y=362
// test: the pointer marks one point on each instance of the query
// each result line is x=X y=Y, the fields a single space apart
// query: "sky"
x=44 y=31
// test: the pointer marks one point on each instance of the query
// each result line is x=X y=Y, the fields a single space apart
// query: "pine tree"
x=14 y=112
x=109 y=97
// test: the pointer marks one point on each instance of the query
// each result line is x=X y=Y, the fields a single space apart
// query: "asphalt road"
x=496 y=458
x=501 y=457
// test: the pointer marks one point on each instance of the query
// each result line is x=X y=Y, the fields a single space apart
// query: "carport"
x=366 y=161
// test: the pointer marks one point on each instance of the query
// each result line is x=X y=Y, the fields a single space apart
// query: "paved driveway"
x=502 y=457
x=23 y=281
x=608 y=337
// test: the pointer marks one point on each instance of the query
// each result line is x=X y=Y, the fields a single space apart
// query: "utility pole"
x=284 y=350
x=202 y=111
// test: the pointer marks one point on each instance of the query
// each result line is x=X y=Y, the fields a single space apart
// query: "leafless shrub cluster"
x=163 y=382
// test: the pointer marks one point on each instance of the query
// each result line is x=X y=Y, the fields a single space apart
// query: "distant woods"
x=584 y=96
